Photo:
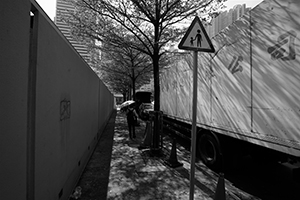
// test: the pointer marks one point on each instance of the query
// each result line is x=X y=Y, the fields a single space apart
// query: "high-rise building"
x=230 y=19
x=225 y=18
x=63 y=8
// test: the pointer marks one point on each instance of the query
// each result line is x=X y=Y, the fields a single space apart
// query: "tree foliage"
x=123 y=66
x=101 y=19
x=155 y=24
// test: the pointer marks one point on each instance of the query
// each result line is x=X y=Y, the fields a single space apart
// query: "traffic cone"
x=220 y=192
x=172 y=161
x=147 y=140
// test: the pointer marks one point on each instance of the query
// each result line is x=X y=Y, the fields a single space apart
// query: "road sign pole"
x=194 y=127
x=195 y=39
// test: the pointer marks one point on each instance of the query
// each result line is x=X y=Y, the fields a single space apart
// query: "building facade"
x=63 y=8
x=225 y=18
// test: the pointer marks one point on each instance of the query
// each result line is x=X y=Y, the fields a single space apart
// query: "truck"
x=248 y=89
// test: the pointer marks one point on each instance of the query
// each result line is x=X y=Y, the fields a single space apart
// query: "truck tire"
x=209 y=151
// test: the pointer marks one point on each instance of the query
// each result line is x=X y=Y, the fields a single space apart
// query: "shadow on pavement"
x=119 y=170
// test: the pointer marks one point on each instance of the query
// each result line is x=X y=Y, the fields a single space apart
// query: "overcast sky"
x=49 y=6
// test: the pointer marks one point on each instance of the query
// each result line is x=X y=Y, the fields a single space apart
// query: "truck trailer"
x=248 y=89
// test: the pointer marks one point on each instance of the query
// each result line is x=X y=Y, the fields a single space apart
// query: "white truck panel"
x=231 y=98
x=248 y=89
x=175 y=90
x=276 y=72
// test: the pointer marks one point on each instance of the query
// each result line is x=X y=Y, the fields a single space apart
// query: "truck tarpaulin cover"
x=249 y=88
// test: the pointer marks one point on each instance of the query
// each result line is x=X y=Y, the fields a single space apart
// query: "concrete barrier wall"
x=14 y=59
x=105 y=105
x=54 y=107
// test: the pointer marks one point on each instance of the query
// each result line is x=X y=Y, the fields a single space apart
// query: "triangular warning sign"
x=196 y=38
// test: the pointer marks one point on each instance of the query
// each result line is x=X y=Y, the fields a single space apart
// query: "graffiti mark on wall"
x=65 y=109
x=235 y=66
x=284 y=49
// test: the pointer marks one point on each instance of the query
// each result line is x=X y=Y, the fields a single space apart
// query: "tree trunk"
x=156 y=132
x=129 y=93
x=124 y=96
x=133 y=84
x=156 y=83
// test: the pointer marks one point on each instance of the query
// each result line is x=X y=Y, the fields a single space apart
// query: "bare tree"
x=154 y=23
x=132 y=67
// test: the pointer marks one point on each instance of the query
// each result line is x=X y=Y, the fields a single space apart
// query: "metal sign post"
x=195 y=39
x=194 y=127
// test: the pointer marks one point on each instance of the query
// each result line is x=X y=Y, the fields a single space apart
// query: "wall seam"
x=31 y=106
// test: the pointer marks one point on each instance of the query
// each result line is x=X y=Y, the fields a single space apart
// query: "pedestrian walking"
x=131 y=120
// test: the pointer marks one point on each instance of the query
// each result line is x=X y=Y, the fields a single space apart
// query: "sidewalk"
x=119 y=170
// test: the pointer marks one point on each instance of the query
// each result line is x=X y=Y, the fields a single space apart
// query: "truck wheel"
x=209 y=151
